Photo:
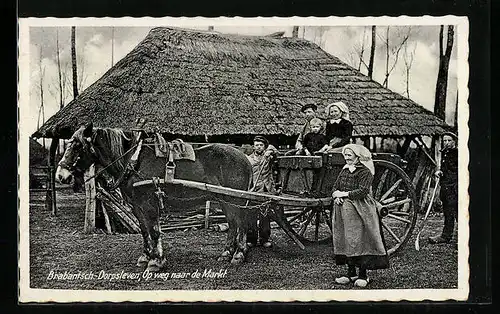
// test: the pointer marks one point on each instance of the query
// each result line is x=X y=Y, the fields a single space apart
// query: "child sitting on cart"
x=314 y=141
x=357 y=235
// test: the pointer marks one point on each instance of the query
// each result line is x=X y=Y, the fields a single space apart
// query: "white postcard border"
x=27 y=294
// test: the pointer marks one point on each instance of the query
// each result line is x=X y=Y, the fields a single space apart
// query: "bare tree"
x=386 y=79
x=352 y=57
x=295 y=32
x=73 y=61
x=372 y=52
x=60 y=88
x=59 y=72
x=393 y=51
x=408 y=58
x=455 y=122
x=61 y=83
x=362 y=50
x=442 y=78
x=82 y=74
x=319 y=35
x=355 y=57
x=41 y=110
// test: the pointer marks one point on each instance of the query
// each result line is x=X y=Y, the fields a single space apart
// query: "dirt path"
x=58 y=245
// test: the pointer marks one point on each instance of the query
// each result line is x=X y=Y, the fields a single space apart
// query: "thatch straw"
x=199 y=83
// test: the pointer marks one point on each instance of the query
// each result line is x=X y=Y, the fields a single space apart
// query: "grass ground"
x=58 y=244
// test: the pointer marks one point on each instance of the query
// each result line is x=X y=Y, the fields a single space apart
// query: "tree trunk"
x=407 y=82
x=408 y=64
x=61 y=103
x=442 y=79
x=372 y=52
x=73 y=62
x=61 y=90
x=362 y=52
x=41 y=111
x=386 y=80
x=295 y=32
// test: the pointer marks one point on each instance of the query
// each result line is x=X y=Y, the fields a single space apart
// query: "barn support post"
x=382 y=142
x=437 y=152
x=366 y=142
x=437 y=158
x=406 y=145
x=207 y=214
x=90 y=200
x=373 y=143
x=51 y=175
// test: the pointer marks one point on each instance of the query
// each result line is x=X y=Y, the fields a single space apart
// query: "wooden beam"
x=51 y=188
x=90 y=200
x=284 y=200
x=207 y=214
x=420 y=170
x=122 y=211
x=106 y=218
x=437 y=152
x=420 y=142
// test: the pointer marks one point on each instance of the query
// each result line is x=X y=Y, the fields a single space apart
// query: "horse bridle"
x=88 y=148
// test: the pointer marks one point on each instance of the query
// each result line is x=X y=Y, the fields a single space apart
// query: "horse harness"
x=131 y=168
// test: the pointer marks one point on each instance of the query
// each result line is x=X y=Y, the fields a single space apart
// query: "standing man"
x=449 y=187
x=310 y=111
x=263 y=181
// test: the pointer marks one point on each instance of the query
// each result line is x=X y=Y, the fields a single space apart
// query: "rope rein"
x=112 y=163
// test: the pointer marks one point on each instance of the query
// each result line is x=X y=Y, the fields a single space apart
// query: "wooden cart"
x=304 y=202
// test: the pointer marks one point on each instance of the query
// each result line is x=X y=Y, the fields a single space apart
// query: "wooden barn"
x=206 y=86
x=38 y=160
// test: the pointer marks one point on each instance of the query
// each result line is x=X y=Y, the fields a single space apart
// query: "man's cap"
x=260 y=138
x=453 y=135
x=307 y=106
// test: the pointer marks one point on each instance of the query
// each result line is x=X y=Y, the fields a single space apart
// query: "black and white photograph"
x=243 y=159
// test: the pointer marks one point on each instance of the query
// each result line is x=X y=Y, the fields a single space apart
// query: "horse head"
x=79 y=154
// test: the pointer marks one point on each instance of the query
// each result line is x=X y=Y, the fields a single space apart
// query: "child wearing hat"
x=310 y=111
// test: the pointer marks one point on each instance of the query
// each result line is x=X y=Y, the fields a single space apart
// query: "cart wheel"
x=310 y=224
x=393 y=189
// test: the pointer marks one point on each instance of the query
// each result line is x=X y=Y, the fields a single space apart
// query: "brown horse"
x=215 y=164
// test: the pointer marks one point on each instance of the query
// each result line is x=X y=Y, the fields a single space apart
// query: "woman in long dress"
x=357 y=235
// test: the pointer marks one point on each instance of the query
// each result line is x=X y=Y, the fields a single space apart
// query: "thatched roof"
x=205 y=83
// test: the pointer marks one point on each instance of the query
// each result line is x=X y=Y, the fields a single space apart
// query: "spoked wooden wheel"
x=393 y=189
x=310 y=224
